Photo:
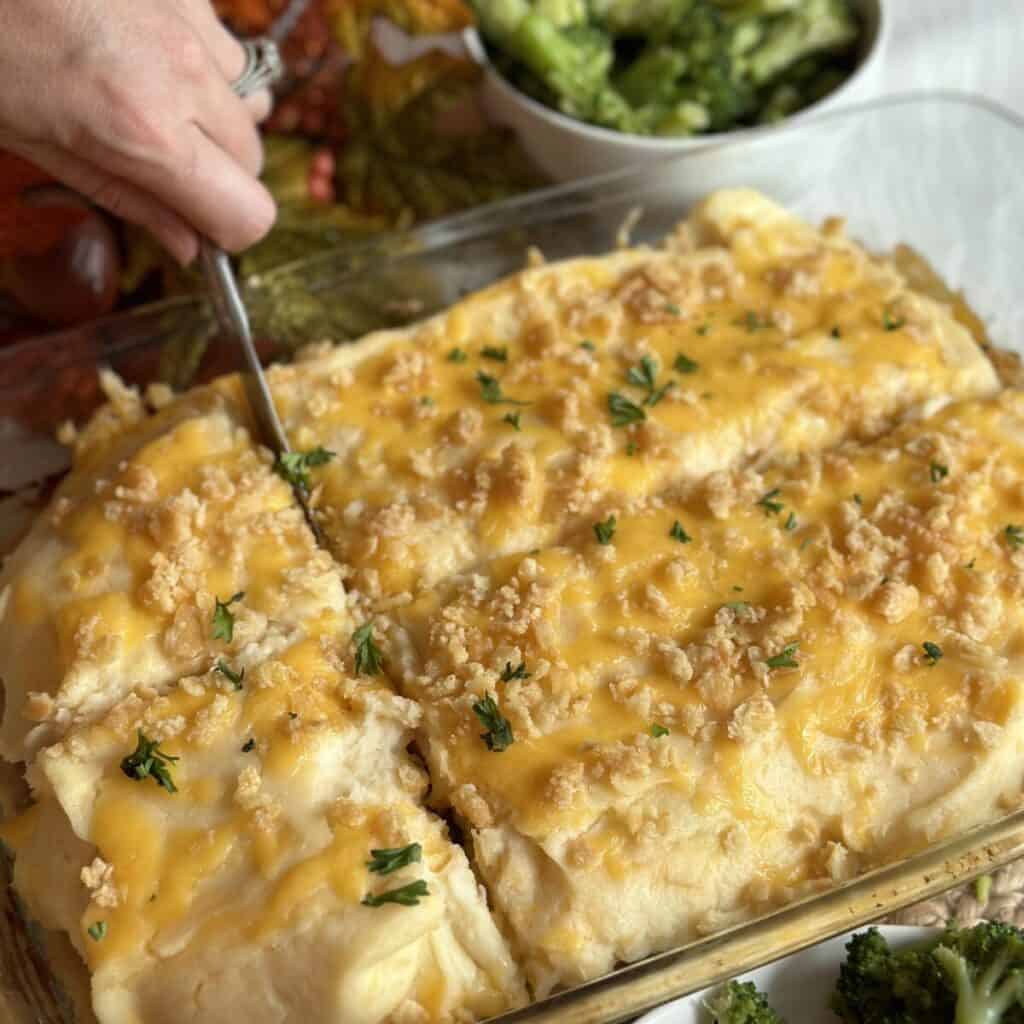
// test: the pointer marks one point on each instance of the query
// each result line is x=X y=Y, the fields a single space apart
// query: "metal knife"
x=262 y=68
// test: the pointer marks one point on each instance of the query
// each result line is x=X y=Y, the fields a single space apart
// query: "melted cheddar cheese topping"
x=783 y=654
x=283 y=788
x=483 y=431
x=117 y=584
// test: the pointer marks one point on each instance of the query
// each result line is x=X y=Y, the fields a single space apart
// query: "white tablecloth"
x=968 y=45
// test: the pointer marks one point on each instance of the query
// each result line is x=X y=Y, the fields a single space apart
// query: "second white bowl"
x=565 y=148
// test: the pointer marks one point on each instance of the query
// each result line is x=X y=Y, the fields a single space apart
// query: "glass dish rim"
x=517 y=211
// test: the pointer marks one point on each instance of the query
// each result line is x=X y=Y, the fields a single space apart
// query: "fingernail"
x=186 y=250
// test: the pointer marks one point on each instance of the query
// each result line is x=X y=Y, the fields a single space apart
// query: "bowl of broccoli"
x=594 y=85
x=893 y=975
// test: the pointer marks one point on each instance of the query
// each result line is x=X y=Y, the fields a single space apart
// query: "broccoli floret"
x=682 y=119
x=966 y=976
x=757 y=8
x=725 y=98
x=986 y=967
x=878 y=985
x=572 y=64
x=639 y=17
x=562 y=13
x=500 y=19
x=818 y=26
x=740 y=1002
x=652 y=77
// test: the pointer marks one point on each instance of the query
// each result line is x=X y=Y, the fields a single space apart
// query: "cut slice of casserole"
x=118 y=583
x=227 y=873
x=697 y=710
x=487 y=429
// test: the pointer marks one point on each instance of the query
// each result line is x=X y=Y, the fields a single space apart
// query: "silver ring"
x=263 y=67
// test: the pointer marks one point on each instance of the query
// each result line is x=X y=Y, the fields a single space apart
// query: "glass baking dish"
x=937 y=171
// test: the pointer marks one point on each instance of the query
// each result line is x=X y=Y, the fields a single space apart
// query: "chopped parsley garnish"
x=499 y=729
x=656 y=396
x=678 y=533
x=508 y=673
x=684 y=364
x=490 y=390
x=932 y=652
x=512 y=418
x=224 y=618
x=836 y=332
x=703 y=329
x=427 y=401
x=938 y=472
x=623 y=411
x=605 y=531
x=631 y=447
x=405 y=896
x=769 y=504
x=858 y=500
x=499 y=355
x=753 y=322
x=790 y=524
x=234 y=678
x=588 y=345
x=970 y=564
x=385 y=861
x=457 y=356
x=368 y=655
x=785 y=658
x=737 y=606
x=645 y=375
x=657 y=731
x=672 y=309
x=97 y=931
x=737 y=588
x=148 y=761
x=1014 y=535
x=248 y=746
x=295 y=466
x=891 y=322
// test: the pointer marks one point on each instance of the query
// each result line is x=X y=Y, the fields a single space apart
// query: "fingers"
x=225 y=49
x=212 y=191
x=157 y=136
x=194 y=150
x=260 y=105
x=120 y=198
x=228 y=121
x=227 y=53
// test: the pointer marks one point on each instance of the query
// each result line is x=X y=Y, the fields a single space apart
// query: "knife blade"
x=234 y=322
x=264 y=66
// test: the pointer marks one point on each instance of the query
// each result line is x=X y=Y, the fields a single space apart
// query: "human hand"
x=130 y=103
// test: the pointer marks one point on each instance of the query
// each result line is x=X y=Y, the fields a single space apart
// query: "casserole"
x=1001 y=851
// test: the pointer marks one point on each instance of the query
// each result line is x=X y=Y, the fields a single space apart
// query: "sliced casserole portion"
x=171 y=544
x=487 y=429
x=697 y=710
x=256 y=848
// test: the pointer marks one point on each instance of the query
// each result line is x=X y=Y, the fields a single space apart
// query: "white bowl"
x=798 y=986
x=565 y=148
